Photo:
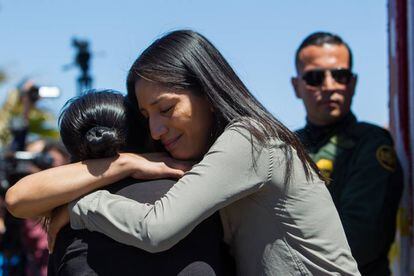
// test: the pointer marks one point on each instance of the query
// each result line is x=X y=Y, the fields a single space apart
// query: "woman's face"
x=180 y=120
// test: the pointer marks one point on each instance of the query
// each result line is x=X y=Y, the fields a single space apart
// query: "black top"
x=80 y=252
x=365 y=183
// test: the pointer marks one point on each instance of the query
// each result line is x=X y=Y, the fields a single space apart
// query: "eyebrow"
x=154 y=102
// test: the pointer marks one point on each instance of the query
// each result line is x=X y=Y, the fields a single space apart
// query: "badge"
x=326 y=168
x=386 y=157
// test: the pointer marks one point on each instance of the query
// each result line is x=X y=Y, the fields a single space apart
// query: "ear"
x=295 y=84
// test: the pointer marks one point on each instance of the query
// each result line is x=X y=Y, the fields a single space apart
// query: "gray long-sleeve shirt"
x=272 y=227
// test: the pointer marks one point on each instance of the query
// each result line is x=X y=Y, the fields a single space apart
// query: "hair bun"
x=102 y=142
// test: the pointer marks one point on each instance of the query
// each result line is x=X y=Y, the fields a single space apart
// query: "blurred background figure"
x=364 y=175
x=20 y=115
x=34 y=239
x=23 y=243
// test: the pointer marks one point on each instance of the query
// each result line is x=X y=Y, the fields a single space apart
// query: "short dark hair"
x=319 y=39
x=185 y=59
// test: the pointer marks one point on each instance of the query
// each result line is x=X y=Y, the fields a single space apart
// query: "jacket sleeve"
x=369 y=201
x=232 y=169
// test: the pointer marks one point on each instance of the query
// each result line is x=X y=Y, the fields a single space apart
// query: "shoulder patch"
x=387 y=158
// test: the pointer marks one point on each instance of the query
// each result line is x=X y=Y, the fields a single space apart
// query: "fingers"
x=51 y=234
x=168 y=160
x=158 y=165
x=178 y=165
x=174 y=168
x=171 y=173
x=58 y=219
x=51 y=242
x=158 y=171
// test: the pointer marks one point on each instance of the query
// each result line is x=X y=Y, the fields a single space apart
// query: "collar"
x=317 y=134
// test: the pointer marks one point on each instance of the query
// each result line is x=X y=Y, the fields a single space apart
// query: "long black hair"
x=185 y=59
x=99 y=124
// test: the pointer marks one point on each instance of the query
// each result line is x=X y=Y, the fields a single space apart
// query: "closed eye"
x=165 y=111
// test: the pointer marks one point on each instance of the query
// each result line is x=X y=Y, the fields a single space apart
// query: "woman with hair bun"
x=277 y=214
x=95 y=125
x=100 y=124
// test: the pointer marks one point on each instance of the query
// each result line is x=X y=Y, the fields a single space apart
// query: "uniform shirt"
x=365 y=184
x=272 y=227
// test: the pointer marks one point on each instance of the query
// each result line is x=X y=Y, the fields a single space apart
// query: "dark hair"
x=98 y=124
x=319 y=39
x=185 y=59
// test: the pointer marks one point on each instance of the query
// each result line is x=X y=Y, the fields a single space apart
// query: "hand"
x=58 y=219
x=27 y=99
x=26 y=92
x=156 y=165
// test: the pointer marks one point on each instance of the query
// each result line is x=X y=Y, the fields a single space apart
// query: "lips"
x=170 y=143
x=329 y=103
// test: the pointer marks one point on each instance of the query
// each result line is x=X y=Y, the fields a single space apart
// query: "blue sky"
x=258 y=38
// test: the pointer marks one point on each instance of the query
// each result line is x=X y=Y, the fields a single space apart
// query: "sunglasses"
x=317 y=76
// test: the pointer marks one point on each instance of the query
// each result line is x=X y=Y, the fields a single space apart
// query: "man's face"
x=329 y=99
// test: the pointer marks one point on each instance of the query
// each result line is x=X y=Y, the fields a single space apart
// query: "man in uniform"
x=363 y=174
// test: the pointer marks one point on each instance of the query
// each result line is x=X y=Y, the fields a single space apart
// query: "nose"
x=329 y=82
x=157 y=127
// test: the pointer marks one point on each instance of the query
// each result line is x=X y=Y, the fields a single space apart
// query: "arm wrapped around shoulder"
x=232 y=169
